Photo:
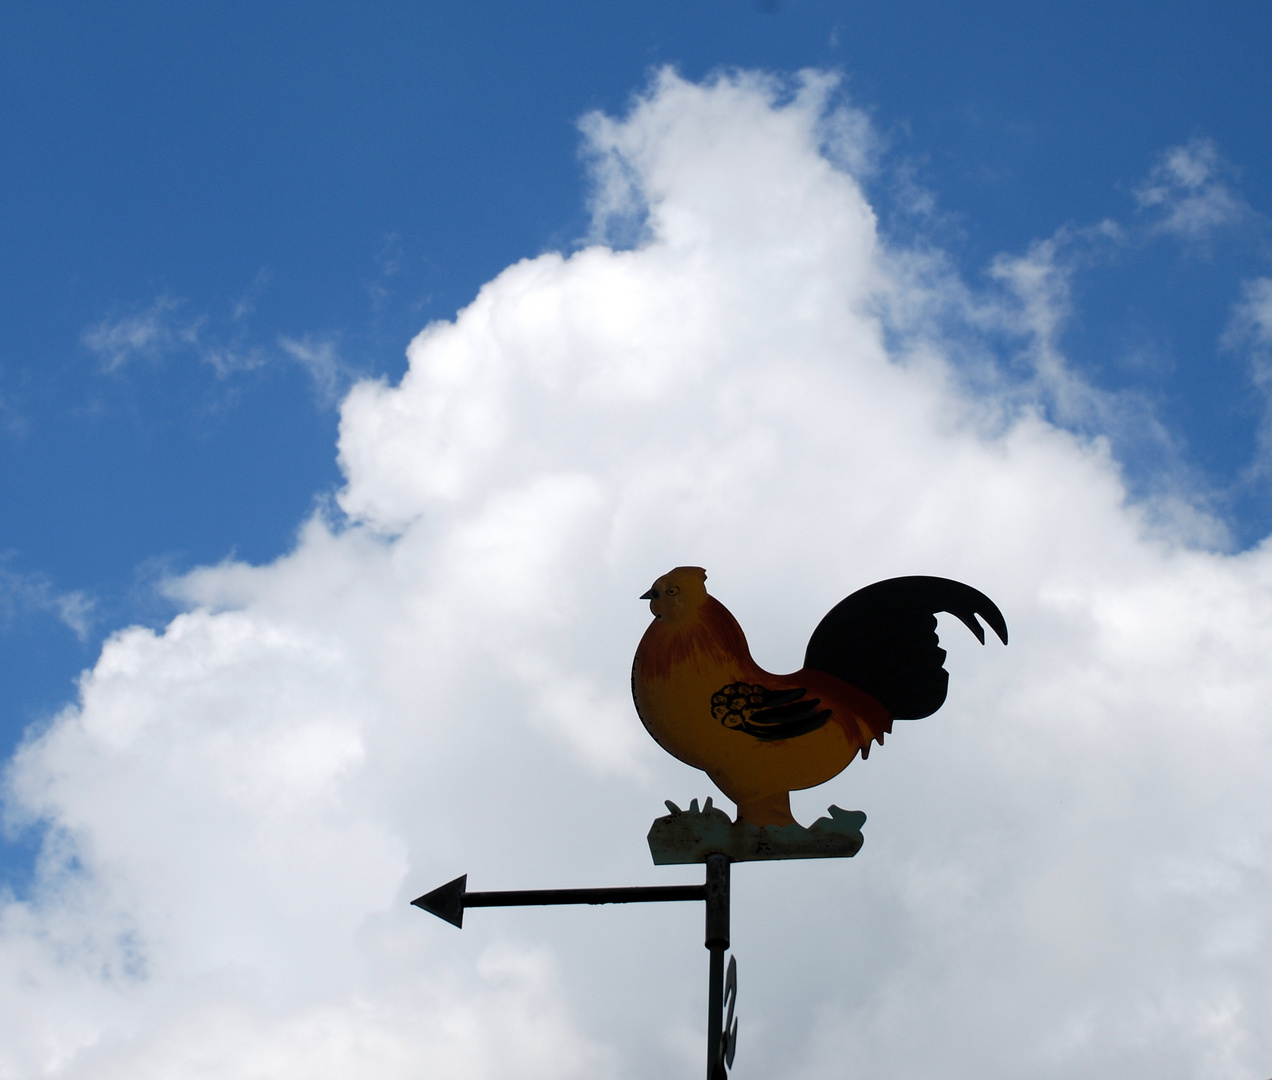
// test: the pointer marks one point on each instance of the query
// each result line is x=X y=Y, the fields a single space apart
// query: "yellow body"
x=692 y=649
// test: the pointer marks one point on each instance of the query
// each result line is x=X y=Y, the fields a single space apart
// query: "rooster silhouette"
x=873 y=659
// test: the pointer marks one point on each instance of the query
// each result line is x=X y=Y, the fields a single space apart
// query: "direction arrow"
x=449 y=901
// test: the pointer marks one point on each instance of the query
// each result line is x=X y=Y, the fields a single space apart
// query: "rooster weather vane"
x=874 y=659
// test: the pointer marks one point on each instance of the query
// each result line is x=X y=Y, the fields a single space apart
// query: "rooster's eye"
x=672 y=590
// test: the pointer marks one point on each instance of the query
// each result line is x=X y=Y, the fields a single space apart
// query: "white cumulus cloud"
x=1066 y=871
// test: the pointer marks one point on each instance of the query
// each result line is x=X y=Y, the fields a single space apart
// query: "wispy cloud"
x=1188 y=195
x=1037 y=309
x=25 y=594
x=163 y=330
x=1249 y=332
x=12 y=422
x=149 y=334
x=1252 y=319
x=390 y=261
x=321 y=360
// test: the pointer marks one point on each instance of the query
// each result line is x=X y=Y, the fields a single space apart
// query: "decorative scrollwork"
x=729 y=1036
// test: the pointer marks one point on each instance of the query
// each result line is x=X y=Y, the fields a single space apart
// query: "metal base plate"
x=689 y=836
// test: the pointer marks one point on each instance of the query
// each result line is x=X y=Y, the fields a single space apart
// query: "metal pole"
x=717 y=941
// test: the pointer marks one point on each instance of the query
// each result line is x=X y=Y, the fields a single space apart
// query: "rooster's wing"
x=765 y=713
x=882 y=639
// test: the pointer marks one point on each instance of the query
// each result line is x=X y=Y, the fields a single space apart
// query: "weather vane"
x=873 y=659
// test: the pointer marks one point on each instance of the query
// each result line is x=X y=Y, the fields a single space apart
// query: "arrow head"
x=446 y=902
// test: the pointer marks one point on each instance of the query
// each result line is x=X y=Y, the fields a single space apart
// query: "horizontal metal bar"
x=638 y=894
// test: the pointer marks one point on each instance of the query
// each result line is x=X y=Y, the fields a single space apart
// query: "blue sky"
x=343 y=174
x=218 y=218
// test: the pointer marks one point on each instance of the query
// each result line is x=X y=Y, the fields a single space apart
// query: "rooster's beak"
x=651 y=595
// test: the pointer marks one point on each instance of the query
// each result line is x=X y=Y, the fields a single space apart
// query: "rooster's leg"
x=766 y=810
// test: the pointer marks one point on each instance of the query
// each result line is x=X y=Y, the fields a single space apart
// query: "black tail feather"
x=882 y=639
